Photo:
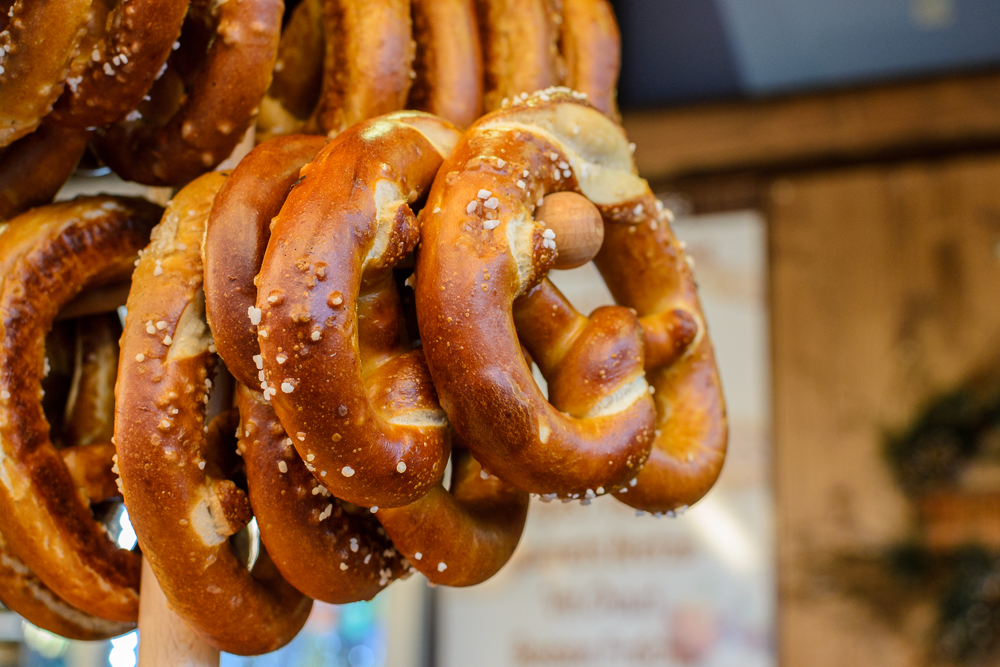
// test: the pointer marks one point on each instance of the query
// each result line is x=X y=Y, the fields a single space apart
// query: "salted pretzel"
x=307 y=310
x=530 y=45
x=237 y=234
x=209 y=105
x=174 y=476
x=120 y=66
x=35 y=167
x=481 y=270
x=45 y=519
x=37 y=48
x=323 y=547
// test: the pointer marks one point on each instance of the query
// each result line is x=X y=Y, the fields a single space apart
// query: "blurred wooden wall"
x=883 y=207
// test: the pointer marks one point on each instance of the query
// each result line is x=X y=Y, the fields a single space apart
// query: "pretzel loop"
x=313 y=285
x=219 y=101
x=175 y=476
x=46 y=522
x=482 y=250
x=122 y=64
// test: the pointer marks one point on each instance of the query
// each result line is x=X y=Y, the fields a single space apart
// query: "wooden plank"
x=884 y=293
x=904 y=119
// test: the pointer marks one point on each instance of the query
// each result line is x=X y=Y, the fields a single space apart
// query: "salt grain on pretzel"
x=357 y=411
x=53 y=251
x=184 y=512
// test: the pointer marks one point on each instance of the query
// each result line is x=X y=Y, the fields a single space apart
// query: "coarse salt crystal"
x=484 y=194
x=282 y=466
x=471 y=208
x=254 y=314
x=491 y=224
x=347 y=471
x=401 y=467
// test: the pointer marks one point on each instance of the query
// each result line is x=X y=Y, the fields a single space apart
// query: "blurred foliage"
x=954 y=428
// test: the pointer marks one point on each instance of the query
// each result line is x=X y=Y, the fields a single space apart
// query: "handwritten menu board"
x=597 y=585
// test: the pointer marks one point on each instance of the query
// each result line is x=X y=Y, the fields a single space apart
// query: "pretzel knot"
x=209 y=106
x=330 y=549
x=45 y=494
x=480 y=284
x=175 y=473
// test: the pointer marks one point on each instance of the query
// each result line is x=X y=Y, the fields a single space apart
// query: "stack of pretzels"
x=313 y=337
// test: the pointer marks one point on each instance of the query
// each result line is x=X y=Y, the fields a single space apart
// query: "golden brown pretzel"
x=219 y=101
x=519 y=39
x=591 y=50
x=448 y=67
x=365 y=67
x=691 y=427
x=368 y=53
x=481 y=250
x=37 y=47
x=298 y=69
x=90 y=407
x=235 y=241
x=33 y=168
x=24 y=592
x=529 y=45
x=554 y=141
x=324 y=549
x=122 y=64
x=461 y=536
x=53 y=251
x=313 y=287
x=174 y=478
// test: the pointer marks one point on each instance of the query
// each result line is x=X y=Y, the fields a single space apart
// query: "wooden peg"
x=577 y=224
x=165 y=640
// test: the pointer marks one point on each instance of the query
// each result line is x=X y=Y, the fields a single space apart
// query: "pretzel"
x=298 y=69
x=90 y=407
x=236 y=237
x=35 y=167
x=321 y=546
x=461 y=536
x=174 y=477
x=382 y=446
x=591 y=51
x=472 y=266
x=54 y=251
x=520 y=54
x=22 y=591
x=530 y=45
x=368 y=53
x=219 y=101
x=123 y=63
x=37 y=47
x=448 y=68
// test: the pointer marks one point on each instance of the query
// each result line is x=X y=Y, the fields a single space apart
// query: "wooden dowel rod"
x=165 y=640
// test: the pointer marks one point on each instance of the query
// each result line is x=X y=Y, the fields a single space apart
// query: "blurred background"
x=835 y=170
